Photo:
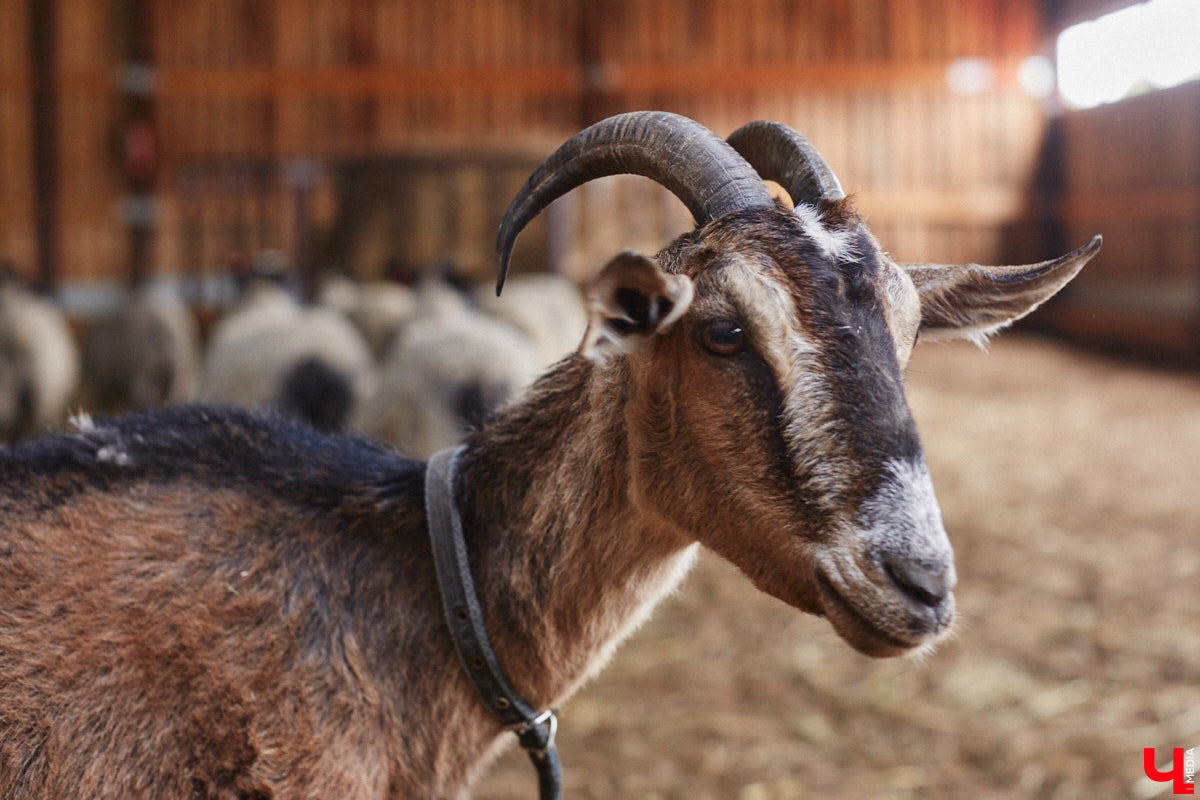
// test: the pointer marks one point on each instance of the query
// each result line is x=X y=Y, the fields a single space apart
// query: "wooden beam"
x=83 y=80
x=44 y=118
x=1179 y=203
x=1148 y=334
x=357 y=80
x=973 y=206
x=828 y=75
x=598 y=78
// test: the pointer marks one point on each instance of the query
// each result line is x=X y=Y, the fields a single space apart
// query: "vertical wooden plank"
x=43 y=42
x=16 y=213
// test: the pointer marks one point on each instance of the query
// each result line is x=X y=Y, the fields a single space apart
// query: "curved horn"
x=783 y=155
x=681 y=154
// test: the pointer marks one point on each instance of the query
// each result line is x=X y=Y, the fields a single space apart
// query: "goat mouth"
x=864 y=633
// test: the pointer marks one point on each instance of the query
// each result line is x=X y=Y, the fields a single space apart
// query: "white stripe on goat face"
x=867 y=475
x=813 y=434
x=831 y=477
x=810 y=418
x=893 y=565
x=835 y=243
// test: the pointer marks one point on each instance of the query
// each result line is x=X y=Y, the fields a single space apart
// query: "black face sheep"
x=218 y=604
x=309 y=362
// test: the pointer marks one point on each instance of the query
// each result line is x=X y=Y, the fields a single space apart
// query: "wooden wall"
x=90 y=242
x=1131 y=171
x=16 y=174
x=240 y=83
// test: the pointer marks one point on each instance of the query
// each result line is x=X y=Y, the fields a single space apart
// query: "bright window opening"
x=1148 y=46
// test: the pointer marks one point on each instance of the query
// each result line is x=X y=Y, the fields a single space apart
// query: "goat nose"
x=929 y=583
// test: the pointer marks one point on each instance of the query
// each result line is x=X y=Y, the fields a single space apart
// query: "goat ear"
x=973 y=301
x=630 y=300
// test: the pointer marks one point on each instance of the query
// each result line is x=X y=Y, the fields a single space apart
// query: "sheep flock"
x=415 y=366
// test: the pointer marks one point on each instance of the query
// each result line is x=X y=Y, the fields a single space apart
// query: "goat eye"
x=723 y=337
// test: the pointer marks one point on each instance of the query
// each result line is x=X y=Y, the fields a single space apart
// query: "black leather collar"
x=535 y=729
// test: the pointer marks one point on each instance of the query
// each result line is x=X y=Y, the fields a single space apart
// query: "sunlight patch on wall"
x=1153 y=45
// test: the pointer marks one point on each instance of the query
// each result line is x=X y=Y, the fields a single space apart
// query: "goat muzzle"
x=886 y=612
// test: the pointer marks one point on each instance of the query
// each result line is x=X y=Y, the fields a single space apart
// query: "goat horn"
x=781 y=154
x=679 y=153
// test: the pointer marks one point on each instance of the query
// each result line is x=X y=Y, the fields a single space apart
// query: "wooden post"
x=44 y=106
x=299 y=176
x=139 y=146
x=595 y=95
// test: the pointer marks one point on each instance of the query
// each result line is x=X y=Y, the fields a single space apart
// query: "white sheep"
x=39 y=362
x=264 y=304
x=443 y=377
x=379 y=309
x=547 y=308
x=310 y=362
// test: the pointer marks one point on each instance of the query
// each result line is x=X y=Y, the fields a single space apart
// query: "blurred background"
x=145 y=139
x=294 y=202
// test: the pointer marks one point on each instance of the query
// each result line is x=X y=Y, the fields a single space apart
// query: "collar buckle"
x=535 y=738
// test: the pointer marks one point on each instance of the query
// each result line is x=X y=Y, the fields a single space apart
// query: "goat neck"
x=565 y=564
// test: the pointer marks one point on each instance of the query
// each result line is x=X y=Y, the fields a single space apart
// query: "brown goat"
x=211 y=603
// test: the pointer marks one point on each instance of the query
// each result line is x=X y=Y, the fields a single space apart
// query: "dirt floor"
x=1069 y=487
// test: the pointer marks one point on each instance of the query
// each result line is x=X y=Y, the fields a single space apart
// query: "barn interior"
x=147 y=144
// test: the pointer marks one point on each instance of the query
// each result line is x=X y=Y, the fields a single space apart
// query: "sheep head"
x=764 y=354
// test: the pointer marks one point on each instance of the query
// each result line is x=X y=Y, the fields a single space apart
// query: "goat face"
x=763 y=354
